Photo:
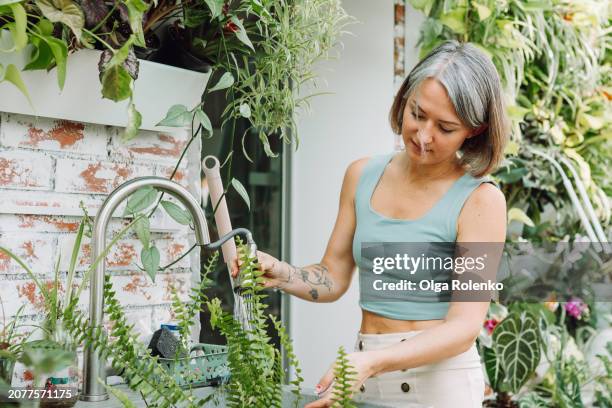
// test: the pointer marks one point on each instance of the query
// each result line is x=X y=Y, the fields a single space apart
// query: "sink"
x=307 y=396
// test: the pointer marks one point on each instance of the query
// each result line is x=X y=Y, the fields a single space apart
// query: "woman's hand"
x=363 y=363
x=276 y=273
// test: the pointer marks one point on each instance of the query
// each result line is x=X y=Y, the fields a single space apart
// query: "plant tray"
x=199 y=371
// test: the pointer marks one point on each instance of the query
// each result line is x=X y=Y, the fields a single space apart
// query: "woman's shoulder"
x=486 y=205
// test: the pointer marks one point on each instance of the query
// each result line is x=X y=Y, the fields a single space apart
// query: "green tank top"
x=437 y=225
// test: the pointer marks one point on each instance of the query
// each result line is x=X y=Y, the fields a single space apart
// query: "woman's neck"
x=420 y=173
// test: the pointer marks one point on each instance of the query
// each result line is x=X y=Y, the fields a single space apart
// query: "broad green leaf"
x=41 y=57
x=44 y=27
x=136 y=10
x=225 y=81
x=12 y=75
x=60 y=54
x=63 y=11
x=7 y=3
x=511 y=174
x=517 y=345
x=150 y=260
x=455 y=20
x=242 y=191
x=266 y=144
x=483 y=11
x=492 y=367
x=215 y=6
x=140 y=199
x=241 y=33
x=245 y=110
x=177 y=213
x=121 y=54
x=202 y=117
x=143 y=231
x=133 y=124
x=20 y=38
x=516 y=214
x=116 y=83
x=177 y=116
x=591 y=121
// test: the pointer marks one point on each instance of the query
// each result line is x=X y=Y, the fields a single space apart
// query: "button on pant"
x=456 y=382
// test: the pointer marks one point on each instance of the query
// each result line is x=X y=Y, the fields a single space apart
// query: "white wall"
x=342 y=127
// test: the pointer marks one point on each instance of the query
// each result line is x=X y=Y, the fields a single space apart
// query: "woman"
x=450 y=114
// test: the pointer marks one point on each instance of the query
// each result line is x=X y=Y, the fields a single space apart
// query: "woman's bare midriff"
x=372 y=323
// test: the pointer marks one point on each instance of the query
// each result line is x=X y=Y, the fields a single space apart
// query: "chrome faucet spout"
x=93 y=364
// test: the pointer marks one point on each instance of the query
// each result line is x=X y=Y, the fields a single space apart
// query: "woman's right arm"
x=329 y=279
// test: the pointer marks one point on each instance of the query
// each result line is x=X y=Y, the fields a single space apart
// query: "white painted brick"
x=125 y=254
x=151 y=146
x=35 y=250
x=83 y=176
x=38 y=223
x=138 y=290
x=25 y=170
x=50 y=203
x=29 y=132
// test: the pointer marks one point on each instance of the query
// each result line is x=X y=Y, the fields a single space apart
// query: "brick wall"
x=46 y=168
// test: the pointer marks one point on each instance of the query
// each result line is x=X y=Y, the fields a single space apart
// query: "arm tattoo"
x=314 y=276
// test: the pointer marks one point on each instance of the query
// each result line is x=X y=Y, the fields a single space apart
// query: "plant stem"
x=110 y=13
x=99 y=39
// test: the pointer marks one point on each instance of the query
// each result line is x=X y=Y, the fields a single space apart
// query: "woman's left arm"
x=483 y=220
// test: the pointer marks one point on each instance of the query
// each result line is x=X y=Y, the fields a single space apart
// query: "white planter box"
x=157 y=88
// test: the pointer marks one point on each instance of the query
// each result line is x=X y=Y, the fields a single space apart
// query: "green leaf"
x=242 y=191
x=225 y=81
x=63 y=11
x=60 y=54
x=492 y=367
x=423 y=5
x=241 y=33
x=136 y=9
x=245 y=110
x=116 y=83
x=150 y=260
x=516 y=214
x=517 y=345
x=483 y=11
x=202 y=117
x=44 y=27
x=140 y=199
x=177 y=213
x=120 y=395
x=516 y=112
x=133 y=125
x=18 y=30
x=12 y=75
x=177 y=116
x=455 y=20
x=41 y=57
x=266 y=144
x=215 y=6
x=143 y=231
x=121 y=54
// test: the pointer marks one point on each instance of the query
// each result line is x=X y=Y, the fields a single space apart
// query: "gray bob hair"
x=473 y=86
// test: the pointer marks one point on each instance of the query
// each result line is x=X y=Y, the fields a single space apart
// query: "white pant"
x=456 y=382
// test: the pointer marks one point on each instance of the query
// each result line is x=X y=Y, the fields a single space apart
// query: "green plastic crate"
x=199 y=371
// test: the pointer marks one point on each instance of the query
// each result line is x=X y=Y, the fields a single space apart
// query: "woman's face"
x=432 y=132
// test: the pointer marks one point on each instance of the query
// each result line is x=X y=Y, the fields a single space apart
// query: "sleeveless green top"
x=437 y=225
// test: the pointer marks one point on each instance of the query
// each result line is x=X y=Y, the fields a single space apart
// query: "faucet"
x=93 y=365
